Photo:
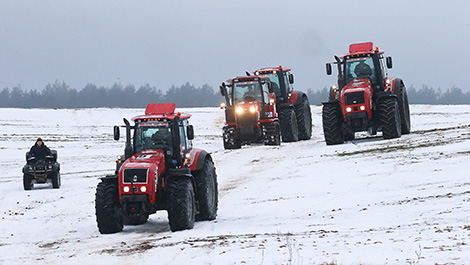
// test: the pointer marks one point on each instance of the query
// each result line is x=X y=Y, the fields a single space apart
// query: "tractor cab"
x=282 y=81
x=362 y=61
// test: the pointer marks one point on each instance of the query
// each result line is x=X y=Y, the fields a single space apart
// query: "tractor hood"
x=358 y=85
x=145 y=159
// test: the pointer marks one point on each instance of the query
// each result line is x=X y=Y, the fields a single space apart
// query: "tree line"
x=60 y=95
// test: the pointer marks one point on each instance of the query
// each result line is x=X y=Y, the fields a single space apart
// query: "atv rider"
x=39 y=150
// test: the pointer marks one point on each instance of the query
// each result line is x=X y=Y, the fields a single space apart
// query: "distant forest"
x=60 y=95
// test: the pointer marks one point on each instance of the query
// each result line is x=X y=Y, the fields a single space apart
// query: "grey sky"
x=166 y=43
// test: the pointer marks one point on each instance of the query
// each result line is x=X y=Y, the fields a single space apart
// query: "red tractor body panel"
x=161 y=111
x=192 y=158
x=294 y=95
x=357 y=49
x=152 y=163
x=351 y=105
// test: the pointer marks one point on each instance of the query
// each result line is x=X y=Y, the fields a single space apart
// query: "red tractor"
x=365 y=98
x=292 y=105
x=250 y=112
x=160 y=170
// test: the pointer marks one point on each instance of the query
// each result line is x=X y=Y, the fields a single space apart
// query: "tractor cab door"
x=265 y=100
x=186 y=144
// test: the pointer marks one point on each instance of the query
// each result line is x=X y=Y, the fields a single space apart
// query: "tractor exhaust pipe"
x=128 y=149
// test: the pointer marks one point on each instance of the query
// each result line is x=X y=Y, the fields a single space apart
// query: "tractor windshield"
x=276 y=87
x=360 y=68
x=246 y=91
x=152 y=136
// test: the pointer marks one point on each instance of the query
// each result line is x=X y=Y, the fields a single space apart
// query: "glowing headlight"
x=143 y=189
x=348 y=109
x=272 y=101
x=127 y=189
x=362 y=107
x=252 y=109
x=239 y=110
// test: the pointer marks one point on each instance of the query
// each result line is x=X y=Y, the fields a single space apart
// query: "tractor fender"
x=295 y=96
x=177 y=173
x=397 y=85
x=110 y=179
x=196 y=159
x=281 y=106
x=384 y=95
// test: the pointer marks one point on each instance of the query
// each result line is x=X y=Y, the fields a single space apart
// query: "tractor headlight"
x=362 y=107
x=239 y=110
x=143 y=189
x=126 y=189
x=252 y=109
x=348 y=109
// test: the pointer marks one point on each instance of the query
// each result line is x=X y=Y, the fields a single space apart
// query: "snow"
x=369 y=201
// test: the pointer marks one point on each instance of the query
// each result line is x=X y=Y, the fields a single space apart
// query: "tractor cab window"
x=276 y=87
x=153 y=136
x=362 y=67
x=265 y=93
x=246 y=91
x=183 y=138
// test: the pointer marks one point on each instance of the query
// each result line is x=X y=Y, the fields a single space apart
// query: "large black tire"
x=207 y=192
x=389 y=117
x=231 y=138
x=56 y=180
x=289 y=127
x=304 y=119
x=271 y=133
x=332 y=122
x=27 y=184
x=404 y=109
x=107 y=206
x=181 y=204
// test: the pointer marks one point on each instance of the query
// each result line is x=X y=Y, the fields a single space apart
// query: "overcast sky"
x=172 y=42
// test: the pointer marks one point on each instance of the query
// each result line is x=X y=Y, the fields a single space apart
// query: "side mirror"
x=291 y=78
x=328 y=69
x=389 y=62
x=190 y=132
x=116 y=133
x=222 y=90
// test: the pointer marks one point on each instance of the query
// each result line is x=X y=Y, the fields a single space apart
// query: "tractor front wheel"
x=181 y=204
x=289 y=127
x=332 y=122
x=107 y=205
x=389 y=116
x=231 y=138
x=207 y=191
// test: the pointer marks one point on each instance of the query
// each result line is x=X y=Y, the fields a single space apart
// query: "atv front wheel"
x=207 y=192
x=107 y=207
x=27 y=184
x=181 y=204
x=56 y=180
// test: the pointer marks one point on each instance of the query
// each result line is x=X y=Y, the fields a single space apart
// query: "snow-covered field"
x=370 y=201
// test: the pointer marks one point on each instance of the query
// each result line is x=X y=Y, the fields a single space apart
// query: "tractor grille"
x=354 y=98
x=135 y=175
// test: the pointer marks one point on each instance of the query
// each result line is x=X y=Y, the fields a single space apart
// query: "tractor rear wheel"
x=27 y=184
x=181 y=204
x=404 y=110
x=107 y=204
x=389 y=117
x=304 y=119
x=231 y=138
x=289 y=127
x=207 y=192
x=271 y=133
x=332 y=121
